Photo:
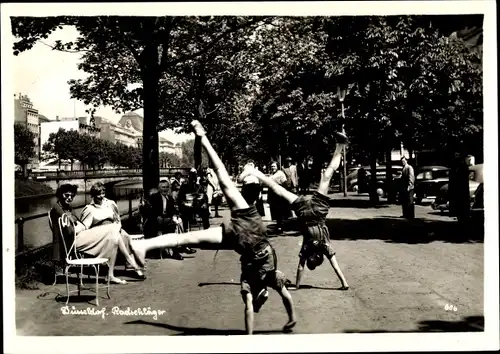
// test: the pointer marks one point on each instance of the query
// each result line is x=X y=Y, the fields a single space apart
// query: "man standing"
x=291 y=174
x=192 y=199
x=407 y=190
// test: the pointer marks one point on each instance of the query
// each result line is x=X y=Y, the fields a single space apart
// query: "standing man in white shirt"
x=407 y=186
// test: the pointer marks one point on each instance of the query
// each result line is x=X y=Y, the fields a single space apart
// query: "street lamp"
x=341 y=91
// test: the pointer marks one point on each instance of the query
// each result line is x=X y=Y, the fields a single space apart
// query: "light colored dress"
x=103 y=229
x=213 y=184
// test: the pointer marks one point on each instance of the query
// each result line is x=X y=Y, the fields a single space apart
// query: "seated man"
x=163 y=217
x=175 y=184
x=192 y=199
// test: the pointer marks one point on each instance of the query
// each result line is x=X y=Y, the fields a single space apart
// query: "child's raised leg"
x=233 y=195
x=336 y=268
x=326 y=177
x=140 y=247
x=270 y=183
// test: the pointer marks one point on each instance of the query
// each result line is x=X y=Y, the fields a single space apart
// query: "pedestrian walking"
x=407 y=190
x=311 y=212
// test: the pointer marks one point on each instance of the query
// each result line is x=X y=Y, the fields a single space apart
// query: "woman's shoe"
x=138 y=274
x=115 y=280
x=188 y=250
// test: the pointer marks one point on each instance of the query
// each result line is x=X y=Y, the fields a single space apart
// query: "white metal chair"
x=75 y=259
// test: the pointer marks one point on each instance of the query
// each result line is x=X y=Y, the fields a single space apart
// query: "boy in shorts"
x=311 y=211
x=245 y=234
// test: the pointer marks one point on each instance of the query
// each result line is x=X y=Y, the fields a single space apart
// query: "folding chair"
x=75 y=259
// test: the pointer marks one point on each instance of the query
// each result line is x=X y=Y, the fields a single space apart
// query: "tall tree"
x=128 y=58
x=24 y=146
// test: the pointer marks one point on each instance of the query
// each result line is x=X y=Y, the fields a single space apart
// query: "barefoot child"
x=245 y=234
x=311 y=211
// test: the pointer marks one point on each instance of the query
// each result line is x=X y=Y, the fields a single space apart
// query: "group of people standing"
x=246 y=234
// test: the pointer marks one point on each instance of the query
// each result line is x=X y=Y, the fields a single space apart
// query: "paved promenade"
x=424 y=275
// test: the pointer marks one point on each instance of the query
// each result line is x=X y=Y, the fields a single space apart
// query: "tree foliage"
x=135 y=62
x=92 y=152
x=24 y=145
x=266 y=87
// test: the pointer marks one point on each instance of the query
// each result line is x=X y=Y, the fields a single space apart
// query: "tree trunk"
x=373 y=178
x=197 y=153
x=150 y=78
x=25 y=170
x=389 y=185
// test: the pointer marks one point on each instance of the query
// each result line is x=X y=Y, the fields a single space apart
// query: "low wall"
x=83 y=184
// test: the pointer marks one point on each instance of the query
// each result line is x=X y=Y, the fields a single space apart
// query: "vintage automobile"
x=442 y=201
x=352 y=179
x=363 y=185
x=429 y=180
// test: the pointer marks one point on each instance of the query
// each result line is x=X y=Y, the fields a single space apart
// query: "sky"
x=43 y=75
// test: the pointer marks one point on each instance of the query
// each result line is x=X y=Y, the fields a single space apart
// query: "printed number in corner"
x=449 y=307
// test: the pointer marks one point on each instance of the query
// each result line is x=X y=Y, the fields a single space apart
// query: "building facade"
x=27 y=115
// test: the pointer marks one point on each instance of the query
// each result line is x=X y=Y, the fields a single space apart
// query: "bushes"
x=24 y=188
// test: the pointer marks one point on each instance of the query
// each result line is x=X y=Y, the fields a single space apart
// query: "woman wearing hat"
x=104 y=240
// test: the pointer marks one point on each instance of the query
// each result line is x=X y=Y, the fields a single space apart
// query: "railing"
x=20 y=223
x=61 y=174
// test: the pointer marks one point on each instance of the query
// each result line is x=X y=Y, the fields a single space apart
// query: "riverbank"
x=28 y=188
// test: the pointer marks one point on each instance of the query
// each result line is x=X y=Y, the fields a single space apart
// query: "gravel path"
x=403 y=276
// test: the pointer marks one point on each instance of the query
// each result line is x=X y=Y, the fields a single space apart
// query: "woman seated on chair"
x=103 y=241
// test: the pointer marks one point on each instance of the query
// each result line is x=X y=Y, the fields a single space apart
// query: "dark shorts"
x=310 y=247
x=312 y=211
x=312 y=208
x=260 y=272
x=244 y=229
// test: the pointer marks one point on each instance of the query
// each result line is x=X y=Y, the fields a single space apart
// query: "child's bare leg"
x=336 y=268
x=140 y=247
x=288 y=303
x=300 y=272
x=270 y=183
x=233 y=195
x=326 y=177
x=248 y=299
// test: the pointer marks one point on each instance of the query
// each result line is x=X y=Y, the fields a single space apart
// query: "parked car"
x=429 y=180
x=363 y=186
x=442 y=201
x=352 y=179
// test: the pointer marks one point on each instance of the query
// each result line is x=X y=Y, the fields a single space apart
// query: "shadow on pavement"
x=219 y=283
x=316 y=287
x=200 y=331
x=355 y=203
x=399 y=230
x=467 y=324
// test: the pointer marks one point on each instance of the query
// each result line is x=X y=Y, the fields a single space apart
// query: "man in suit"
x=291 y=174
x=164 y=217
x=192 y=199
x=407 y=189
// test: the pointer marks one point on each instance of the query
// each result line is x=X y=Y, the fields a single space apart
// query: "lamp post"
x=341 y=95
